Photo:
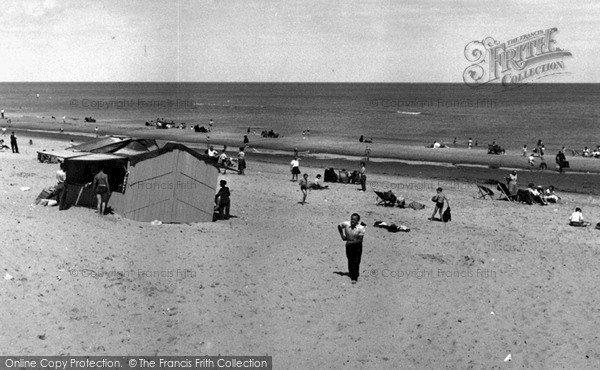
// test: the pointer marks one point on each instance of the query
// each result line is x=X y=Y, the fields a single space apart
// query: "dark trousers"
x=224 y=209
x=14 y=147
x=353 y=253
x=363 y=182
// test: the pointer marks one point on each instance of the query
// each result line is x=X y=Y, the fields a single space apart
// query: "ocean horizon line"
x=303 y=83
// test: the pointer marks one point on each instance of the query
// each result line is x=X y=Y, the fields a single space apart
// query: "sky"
x=278 y=41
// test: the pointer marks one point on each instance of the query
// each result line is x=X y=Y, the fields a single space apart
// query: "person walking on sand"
x=13 y=143
x=439 y=200
x=295 y=168
x=101 y=188
x=363 y=177
x=524 y=150
x=96 y=131
x=304 y=187
x=353 y=234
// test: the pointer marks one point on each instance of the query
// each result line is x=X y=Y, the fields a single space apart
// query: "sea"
x=559 y=114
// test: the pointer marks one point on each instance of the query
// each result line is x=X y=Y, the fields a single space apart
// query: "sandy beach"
x=501 y=278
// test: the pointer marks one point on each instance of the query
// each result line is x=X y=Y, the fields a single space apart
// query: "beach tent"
x=122 y=145
x=80 y=174
x=117 y=145
x=172 y=184
x=55 y=155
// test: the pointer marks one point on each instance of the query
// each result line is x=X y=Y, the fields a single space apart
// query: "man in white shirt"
x=353 y=234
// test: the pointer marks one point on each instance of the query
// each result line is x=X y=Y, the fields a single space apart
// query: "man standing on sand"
x=353 y=234
x=13 y=143
x=363 y=177
x=241 y=161
x=560 y=160
x=96 y=131
x=102 y=190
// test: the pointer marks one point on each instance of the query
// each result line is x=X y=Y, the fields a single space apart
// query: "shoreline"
x=442 y=173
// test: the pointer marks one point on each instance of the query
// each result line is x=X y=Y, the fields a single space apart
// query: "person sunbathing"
x=536 y=194
x=586 y=152
x=550 y=195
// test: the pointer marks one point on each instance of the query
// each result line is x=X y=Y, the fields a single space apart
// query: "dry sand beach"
x=501 y=278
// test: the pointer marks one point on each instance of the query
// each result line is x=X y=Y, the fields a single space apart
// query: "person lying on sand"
x=550 y=195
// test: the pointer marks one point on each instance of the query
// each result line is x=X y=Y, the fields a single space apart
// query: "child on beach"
x=576 y=218
x=439 y=199
x=316 y=185
x=304 y=187
x=223 y=201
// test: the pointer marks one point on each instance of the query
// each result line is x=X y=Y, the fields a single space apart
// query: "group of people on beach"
x=537 y=193
x=539 y=151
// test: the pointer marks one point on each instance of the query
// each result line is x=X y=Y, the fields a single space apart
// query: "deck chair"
x=485 y=192
x=388 y=199
x=503 y=189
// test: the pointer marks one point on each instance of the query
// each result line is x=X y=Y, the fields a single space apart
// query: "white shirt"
x=352 y=234
x=295 y=163
x=436 y=145
x=212 y=153
x=576 y=217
